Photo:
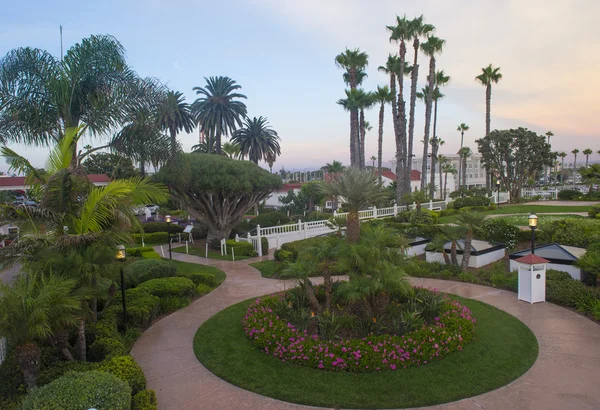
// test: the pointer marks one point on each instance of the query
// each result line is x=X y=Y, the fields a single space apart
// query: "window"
x=470 y=166
x=470 y=175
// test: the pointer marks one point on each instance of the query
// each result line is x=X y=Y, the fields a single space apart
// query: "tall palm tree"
x=391 y=67
x=465 y=153
x=359 y=189
x=383 y=97
x=33 y=309
x=218 y=111
x=575 y=152
x=231 y=150
x=270 y=158
x=257 y=139
x=442 y=160
x=546 y=172
x=354 y=62
x=489 y=75
x=365 y=101
x=461 y=128
x=562 y=156
x=334 y=167
x=441 y=79
x=470 y=222
x=448 y=169
x=174 y=115
x=352 y=103
x=42 y=96
x=587 y=152
x=430 y=48
x=419 y=29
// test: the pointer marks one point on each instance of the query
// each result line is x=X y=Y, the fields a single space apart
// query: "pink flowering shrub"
x=446 y=333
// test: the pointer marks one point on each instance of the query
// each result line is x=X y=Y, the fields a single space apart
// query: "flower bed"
x=448 y=332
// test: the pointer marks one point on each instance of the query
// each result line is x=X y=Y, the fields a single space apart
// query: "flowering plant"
x=448 y=332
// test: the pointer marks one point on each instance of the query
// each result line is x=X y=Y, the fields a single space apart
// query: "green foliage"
x=145 y=400
x=569 y=195
x=264 y=243
x=284 y=256
x=153 y=227
x=113 y=165
x=467 y=277
x=106 y=347
x=568 y=292
x=557 y=275
x=499 y=230
x=573 y=232
x=202 y=289
x=268 y=219
x=172 y=303
x=146 y=269
x=150 y=255
x=137 y=252
x=424 y=217
x=81 y=390
x=12 y=385
x=59 y=368
x=470 y=201
x=142 y=307
x=594 y=211
x=240 y=248
x=199 y=277
x=590 y=266
x=589 y=304
x=126 y=369
x=157 y=237
x=297 y=246
x=168 y=287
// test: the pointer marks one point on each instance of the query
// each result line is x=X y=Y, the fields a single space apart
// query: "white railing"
x=543 y=194
x=504 y=197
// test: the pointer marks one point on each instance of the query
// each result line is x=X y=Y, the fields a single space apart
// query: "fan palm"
x=465 y=153
x=587 y=152
x=470 y=222
x=430 y=48
x=257 y=139
x=575 y=152
x=461 y=128
x=334 y=167
x=383 y=97
x=32 y=309
x=489 y=75
x=359 y=189
x=562 y=156
x=447 y=168
x=42 y=96
x=591 y=175
x=218 y=111
x=231 y=150
x=391 y=67
x=174 y=115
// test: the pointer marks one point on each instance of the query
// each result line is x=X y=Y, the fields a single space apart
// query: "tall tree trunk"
x=352 y=142
x=441 y=189
x=173 y=142
x=328 y=288
x=428 y=107
x=453 y=253
x=462 y=137
x=380 y=140
x=352 y=227
x=414 y=75
x=81 y=344
x=143 y=167
x=363 y=132
x=434 y=151
x=354 y=124
x=310 y=294
x=401 y=130
x=217 y=143
x=467 y=251
x=488 y=113
x=464 y=171
x=94 y=301
x=61 y=340
x=28 y=357
x=445 y=185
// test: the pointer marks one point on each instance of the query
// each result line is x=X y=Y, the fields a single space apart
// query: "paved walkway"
x=565 y=376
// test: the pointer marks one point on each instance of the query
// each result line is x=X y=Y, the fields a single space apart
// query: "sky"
x=282 y=54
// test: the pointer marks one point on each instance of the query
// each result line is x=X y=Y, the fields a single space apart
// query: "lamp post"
x=498 y=188
x=533 y=220
x=168 y=220
x=121 y=258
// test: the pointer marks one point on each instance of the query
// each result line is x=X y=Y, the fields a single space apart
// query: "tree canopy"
x=113 y=165
x=217 y=190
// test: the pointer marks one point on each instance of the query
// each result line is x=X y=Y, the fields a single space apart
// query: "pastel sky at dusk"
x=282 y=53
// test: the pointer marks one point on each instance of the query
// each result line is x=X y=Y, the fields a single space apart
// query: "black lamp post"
x=168 y=220
x=121 y=258
x=533 y=221
x=498 y=197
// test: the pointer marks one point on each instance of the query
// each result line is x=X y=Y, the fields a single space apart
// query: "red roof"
x=20 y=181
x=414 y=175
x=388 y=175
x=532 y=259
x=294 y=185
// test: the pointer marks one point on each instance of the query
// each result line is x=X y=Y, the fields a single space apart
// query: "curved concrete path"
x=565 y=376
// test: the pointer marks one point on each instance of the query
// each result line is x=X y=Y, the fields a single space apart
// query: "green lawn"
x=503 y=349
x=525 y=210
x=188 y=268
x=267 y=268
x=211 y=254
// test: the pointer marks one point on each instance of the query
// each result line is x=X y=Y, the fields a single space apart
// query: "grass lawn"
x=523 y=209
x=188 y=268
x=267 y=268
x=503 y=349
x=211 y=254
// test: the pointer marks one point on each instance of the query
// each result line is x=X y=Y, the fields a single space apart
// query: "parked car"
x=153 y=208
x=29 y=202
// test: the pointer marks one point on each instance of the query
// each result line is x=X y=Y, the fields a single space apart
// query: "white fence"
x=504 y=197
x=545 y=194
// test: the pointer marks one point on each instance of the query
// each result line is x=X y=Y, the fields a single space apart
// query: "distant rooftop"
x=567 y=255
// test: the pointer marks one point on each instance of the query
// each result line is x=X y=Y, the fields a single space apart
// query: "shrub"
x=573 y=232
x=424 y=217
x=317 y=216
x=558 y=275
x=594 y=211
x=474 y=208
x=448 y=212
x=145 y=400
x=568 y=292
x=126 y=369
x=467 y=277
x=459 y=203
x=150 y=255
x=142 y=307
x=425 y=231
x=240 y=248
x=60 y=368
x=12 y=385
x=152 y=227
x=264 y=244
x=202 y=289
x=499 y=230
x=156 y=237
x=81 y=390
x=296 y=247
x=172 y=303
x=283 y=256
x=270 y=219
x=569 y=194
x=200 y=277
x=105 y=347
x=137 y=252
x=146 y=269
x=168 y=287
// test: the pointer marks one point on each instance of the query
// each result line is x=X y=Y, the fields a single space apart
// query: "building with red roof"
x=18 y=183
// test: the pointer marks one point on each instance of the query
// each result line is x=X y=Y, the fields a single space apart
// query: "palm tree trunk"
x=464 y=170
x=453 y=253
x=462 y=137
x=173 y=141
x=434 y=150
x=441 y=189
x=81 y=347
x=414 y=75
x=488 y=111
x=401 y=131
x=428 y=107
x=352 y=148
x=61 y=340
x=310 y=294
x=94 y=301
x=363 y=132
x=354 y=124
x=445 y=185
x=328 y=288
x=380 y=140
x=217 y=143
x=467 y=251
x=587 y=157
x=28 y=356
x=352 y=227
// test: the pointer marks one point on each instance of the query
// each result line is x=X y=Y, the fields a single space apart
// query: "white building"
x=273 y=200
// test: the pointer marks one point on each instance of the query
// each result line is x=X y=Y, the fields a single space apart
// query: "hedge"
x=142 y=307
x=200 y=277
x=459 y=203
x=162 y=287
x=157 y=237
x=240 y=248
x=137 y=252
x=202 y=289
x=264 y=243
x=152 y=227
x=297 y=246
x=105 y=348
x=569 y=194
x=572 y=232
x=146 y=269
x=145 y=400
x=81 y=390
x=126 y=369
x=499 y=230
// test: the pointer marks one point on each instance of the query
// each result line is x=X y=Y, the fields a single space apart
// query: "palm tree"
x=419 y=29
x=465 y=152
x=373 y=159
x=575 y=152
x=352 y=103
x=461 y=128
x=33 y=309
x=587 y=152
x=470 y=222
x=430 y=48
x=546 y=172
x=174 y=115
x=562 y=156
x=334 y=167
x=591 y=175
x=42 y=96
x=218 y=111
x=365 y=101
x=448 y=169
x=359 y=189
x=354 y=62
x=382 y=96
x=231 y=150
x=489 y=75
x=441 y=160
x=257 y=139
x=441 y=79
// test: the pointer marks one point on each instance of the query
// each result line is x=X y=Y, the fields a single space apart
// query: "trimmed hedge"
x=240 y=248
x=296 y=247
x=105 y=348
x=157 y=237
x=146 y=269
x=152 y=227
x=81 y=390
x=499 y=230
x=126 y=369
x=202 y=289
x=145 y=400
x=142 y=307
x=572 y=232
x=200 y=277
x=162 y=287
x=459 y=203
x=137 y=252
x=264 y=243
x=283 y=256
x=569 y=194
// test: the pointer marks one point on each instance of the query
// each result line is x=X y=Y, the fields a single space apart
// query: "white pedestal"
x=532 y=282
